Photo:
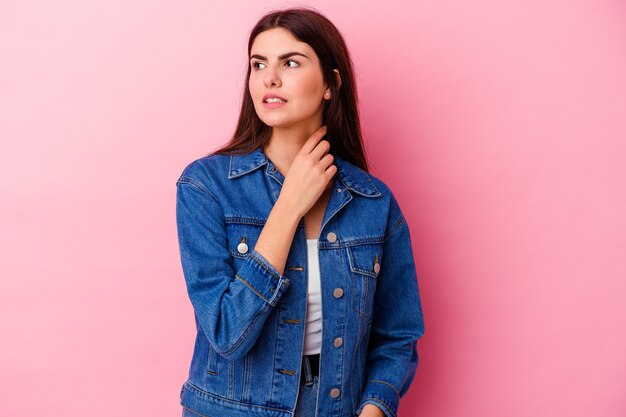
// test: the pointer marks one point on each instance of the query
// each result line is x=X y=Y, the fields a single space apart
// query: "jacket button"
x=334 y=392
x=377 y=267
x=338 y=292
x=338 y=342
x=331 y=237
x=242 y=247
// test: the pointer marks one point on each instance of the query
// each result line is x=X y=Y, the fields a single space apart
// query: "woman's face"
x=297 y=78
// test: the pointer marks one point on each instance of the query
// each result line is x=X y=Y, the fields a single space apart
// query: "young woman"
x=297 y=261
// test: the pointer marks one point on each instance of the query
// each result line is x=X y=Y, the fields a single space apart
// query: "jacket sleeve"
x=397 y=321
x=231 y=306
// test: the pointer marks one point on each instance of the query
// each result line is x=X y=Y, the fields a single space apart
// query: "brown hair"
x=340 y=113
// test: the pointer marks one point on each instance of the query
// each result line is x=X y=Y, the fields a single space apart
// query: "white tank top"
x=313 y=327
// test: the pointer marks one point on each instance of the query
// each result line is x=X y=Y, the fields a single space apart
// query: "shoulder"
x=209 y=164
x=390 y=205
x=204 y=171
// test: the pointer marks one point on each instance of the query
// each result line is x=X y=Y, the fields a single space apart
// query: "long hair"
x=340 y=113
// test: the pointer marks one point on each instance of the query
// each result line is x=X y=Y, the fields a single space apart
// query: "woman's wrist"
x=286 y=211
x=371 y=410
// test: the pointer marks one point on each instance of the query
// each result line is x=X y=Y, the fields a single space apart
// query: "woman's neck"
x=284 y=145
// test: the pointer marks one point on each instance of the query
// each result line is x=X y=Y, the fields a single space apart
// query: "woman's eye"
x=254 y=64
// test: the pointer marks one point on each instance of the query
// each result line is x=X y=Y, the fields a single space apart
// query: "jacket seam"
x=386 y=383
x=397 y=225
x=196 y=184
x=251 y=287
x=210 y=394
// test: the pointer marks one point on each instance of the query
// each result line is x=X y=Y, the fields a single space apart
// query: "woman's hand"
x=370 y=410
x=309 y=174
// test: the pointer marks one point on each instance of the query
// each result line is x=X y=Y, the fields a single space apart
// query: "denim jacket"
x=250 y=319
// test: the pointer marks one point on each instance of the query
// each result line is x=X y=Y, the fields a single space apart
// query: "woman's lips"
x=274 y=105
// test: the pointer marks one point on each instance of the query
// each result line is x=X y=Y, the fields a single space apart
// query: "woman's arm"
x=397 y=321
x=276 y=237
x=231 y=305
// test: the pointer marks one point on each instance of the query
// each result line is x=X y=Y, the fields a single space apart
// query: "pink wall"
x=500 y=125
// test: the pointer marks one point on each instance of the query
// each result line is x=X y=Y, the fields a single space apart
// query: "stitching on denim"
x=344 y=243
x=397 y=225
x=237 y=254
x=196 y=184
x=383 y=382
x=193 y=411
x=193 y=183
x=260 y=262
x=352 y=280
x=351 y=187
x=245 y=220
x=247 y=376
x=251 y=287
x=352 y=258
x=231 y=380
x=210 y=394
x=372 y=183
x=238 y=174
x=365 y=240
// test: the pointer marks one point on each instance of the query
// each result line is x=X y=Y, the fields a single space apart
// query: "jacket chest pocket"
x=365 y=261
x=242 y=237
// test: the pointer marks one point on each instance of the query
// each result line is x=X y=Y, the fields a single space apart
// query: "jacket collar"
x=352 y=176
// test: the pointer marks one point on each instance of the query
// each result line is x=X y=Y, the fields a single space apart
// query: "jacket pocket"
x=242 y=236
x=365 y=261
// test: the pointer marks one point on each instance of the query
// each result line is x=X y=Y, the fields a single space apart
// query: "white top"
x=313 y=327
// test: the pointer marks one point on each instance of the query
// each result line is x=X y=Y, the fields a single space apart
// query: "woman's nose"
x=271 y=77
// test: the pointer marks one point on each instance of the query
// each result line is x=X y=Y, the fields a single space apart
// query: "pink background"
x=500 y=125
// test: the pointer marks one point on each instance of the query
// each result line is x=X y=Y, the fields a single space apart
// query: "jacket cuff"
x=262 y=278
x=382 y=395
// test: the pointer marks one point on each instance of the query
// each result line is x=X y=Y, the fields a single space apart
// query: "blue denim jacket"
x=250 y=319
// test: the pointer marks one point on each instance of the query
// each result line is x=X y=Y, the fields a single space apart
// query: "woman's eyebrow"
x=283 y=56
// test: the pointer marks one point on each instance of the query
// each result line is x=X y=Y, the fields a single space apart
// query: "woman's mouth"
x=273 y=103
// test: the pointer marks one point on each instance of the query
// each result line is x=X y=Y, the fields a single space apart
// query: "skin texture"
x=296 y=146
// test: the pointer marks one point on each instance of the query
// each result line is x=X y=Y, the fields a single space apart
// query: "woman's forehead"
x=275 y=42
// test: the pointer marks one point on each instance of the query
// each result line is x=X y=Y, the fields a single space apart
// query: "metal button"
x=338 y=292
x=334 y=392
x=242 y=247
x=338 y=342
x=377 y=267
x=339 y=190
x=331 y=237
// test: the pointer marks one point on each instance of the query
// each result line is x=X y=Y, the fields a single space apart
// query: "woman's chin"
x=281 y=124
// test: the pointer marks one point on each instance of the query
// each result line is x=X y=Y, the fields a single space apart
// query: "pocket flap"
x=365 y=259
